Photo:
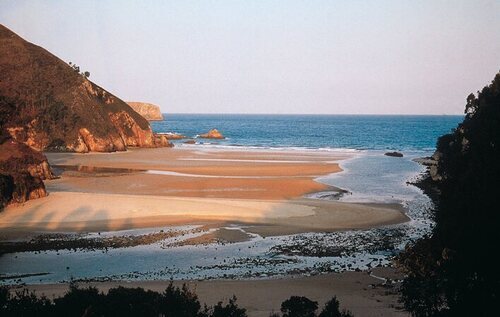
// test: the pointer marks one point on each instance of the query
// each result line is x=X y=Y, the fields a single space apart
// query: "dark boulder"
x=394 y=154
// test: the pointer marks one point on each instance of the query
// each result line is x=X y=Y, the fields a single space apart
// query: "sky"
x=314 y=57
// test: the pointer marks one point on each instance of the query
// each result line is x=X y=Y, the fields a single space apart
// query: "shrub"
x=299 y=306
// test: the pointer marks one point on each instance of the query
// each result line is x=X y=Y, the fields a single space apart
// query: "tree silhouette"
x=452 y=272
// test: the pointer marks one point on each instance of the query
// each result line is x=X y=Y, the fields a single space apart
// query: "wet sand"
x=262 y=190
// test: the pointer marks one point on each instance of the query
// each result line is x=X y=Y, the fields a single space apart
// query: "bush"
x=25 y=303
x=332 y=309
x=179 y=302
x=121 y=301
x=80 y=301
x=229 y=310
x=299 y=306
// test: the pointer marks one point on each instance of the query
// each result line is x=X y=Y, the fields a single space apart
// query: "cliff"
x=47 y=105
x=147 y=110
x=22 y=170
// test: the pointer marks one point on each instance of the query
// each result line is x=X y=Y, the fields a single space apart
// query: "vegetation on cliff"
x=454 y=272
x=48 y=105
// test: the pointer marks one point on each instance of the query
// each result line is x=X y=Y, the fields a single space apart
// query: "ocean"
x=327 y=132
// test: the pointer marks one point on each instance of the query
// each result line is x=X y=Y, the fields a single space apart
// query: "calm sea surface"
x=360 y=132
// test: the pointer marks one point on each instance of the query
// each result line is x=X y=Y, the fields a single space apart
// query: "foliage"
x=119 y=301
x=229 y=310
x=76 y=68
x=452 y=272
x=299 y=306
x=122 y=301
x=332 y=309
x=179 y=302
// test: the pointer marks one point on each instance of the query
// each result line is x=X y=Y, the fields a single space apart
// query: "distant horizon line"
x=310 y=114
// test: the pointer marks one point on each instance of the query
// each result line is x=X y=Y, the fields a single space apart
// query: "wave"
x=267 y=148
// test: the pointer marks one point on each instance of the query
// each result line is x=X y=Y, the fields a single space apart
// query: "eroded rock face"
x=147 y=110
x=22 y=171
x=45 y=104
x=212 y=134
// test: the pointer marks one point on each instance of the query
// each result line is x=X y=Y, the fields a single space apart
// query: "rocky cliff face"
x=47 y=105
x=147 y=110
x=22 y=170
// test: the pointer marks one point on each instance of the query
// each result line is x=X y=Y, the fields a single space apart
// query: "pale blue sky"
x=395 y=57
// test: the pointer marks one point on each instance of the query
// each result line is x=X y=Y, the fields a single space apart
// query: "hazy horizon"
x=276 y=57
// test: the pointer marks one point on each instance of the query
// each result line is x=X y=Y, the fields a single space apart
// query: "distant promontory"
x=147 y=110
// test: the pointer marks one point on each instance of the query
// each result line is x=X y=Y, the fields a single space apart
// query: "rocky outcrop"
x=162 y=141
x=22 y=170
x=147 y=110
x=394 y=154
x=212 y=134
x=174 y=136
x=49 y=106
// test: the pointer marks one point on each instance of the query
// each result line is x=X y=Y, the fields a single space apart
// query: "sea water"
x=369 y=177
x=359 y=132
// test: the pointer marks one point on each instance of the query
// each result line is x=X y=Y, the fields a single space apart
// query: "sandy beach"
x=157 y=187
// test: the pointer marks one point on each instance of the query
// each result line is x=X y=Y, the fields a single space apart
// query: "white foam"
x=172 y=173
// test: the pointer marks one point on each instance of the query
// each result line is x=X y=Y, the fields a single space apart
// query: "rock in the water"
x=162 y=141
x=190 y=142
x=147 y=110
x=212 y=134
x=394 y=154
x=173 y=136
x=48 y=105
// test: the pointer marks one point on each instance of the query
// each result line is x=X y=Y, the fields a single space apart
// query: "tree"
x=299 y=306
x=229 y=310
x=332 y=309
x=179 y=302
x=451 y=272
x=80 y=301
